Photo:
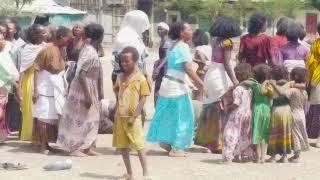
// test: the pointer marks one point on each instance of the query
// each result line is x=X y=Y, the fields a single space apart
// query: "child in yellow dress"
x=131 y=89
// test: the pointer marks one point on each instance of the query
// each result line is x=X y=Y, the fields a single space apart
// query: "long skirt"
x=210 y=128
x=3 y=122
x=26 y=105
x=78 y=126
x=299 y=132
x=14 y=114
x=280 y=140
x=237 y=135
x=313 y=121
x=173 y=122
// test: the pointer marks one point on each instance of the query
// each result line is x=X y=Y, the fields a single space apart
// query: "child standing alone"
x=131 y=89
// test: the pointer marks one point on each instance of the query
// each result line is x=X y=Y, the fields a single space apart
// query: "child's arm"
x=247 y=83
x=138 y=110
x=279 y=89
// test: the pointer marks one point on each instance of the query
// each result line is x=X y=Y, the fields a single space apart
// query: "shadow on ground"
x=98 y=176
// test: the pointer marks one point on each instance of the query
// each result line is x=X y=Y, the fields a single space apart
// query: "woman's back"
x=178 y=56
x=255 y=49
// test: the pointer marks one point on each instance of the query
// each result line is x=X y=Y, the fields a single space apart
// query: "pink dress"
x=237 y=132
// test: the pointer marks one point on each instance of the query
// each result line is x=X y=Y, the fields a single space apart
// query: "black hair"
x=225 y=27
x=279 y=72
x=298 y=75
x=318 y=28
x=131 y=50
x=62 y=32
x=32 y=32
x=294 y=32
x=256 y=23
x=94 y=31
x=243 y=71
x=200 y=38
x=303 y=32
x=175 y=30
x=261 y=72
x=282 y=25
x=14 y=21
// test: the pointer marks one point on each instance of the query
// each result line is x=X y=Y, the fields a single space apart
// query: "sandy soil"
x=196 y=166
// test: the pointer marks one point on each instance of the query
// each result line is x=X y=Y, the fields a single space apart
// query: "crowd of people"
x=268 y=104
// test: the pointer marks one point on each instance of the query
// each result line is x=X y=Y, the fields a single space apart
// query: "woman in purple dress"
x=293 y=54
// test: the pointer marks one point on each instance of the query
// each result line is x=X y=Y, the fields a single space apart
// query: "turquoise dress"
x=173 y=121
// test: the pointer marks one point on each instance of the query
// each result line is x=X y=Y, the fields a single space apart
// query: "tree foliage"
x=239 y=9
x=8 y=8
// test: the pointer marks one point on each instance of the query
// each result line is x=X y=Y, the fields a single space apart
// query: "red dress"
x=255 y=49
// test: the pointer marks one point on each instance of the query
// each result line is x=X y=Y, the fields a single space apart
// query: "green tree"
x=9 y=8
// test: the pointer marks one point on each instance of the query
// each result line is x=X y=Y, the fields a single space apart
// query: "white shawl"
x=29 y=54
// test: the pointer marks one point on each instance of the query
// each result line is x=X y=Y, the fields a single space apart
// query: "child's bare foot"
x=91 y=152
x=271 y=160
x=166 y=147
x=226 y=161
x=44 y=151
x=294 y=159
x=126 y=177
x=177 y=153
x=283 y=160
x=257 y=161
x=78 y=153
x=237 y=159
x=317 y=144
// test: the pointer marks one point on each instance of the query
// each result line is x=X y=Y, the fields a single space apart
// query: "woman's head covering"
x=164 y=25
x=133 y=25
x=137 y=20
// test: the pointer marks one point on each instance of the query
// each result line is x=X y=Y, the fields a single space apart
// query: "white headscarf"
x=10 y=70
x=164 y=26
x=137 y=20
x=133 y=25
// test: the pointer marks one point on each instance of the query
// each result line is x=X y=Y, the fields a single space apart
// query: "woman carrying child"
x=218 y=79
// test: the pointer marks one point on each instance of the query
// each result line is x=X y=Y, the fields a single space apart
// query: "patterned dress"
x=78 y=127
x=280 y=140
x=298 y=99
x=261 y=116
x=237 y=132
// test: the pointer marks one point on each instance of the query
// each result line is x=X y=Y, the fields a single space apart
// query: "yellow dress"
x=26 y=105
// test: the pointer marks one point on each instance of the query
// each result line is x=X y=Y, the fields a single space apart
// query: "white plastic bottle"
x=59 y=165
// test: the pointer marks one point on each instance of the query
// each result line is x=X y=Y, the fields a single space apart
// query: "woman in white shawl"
x=36 y=34
x=134 y=24
x=8 y=76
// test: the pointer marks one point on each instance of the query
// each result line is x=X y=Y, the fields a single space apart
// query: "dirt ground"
x=196 y=166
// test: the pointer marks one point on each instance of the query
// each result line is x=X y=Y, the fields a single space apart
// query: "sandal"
x=12 y=166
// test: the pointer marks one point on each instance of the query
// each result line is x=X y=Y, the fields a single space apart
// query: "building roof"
x=49 y=7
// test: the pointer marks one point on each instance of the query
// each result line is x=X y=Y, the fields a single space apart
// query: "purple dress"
x=237 y=132
x=292 y=55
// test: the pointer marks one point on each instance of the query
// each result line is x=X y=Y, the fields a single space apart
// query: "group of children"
x=267 y=112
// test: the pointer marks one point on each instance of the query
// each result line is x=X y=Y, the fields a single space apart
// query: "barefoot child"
x=131 y=89
x=237 y=132
x=280 y=140
x=297 y=100
x=261 y=115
